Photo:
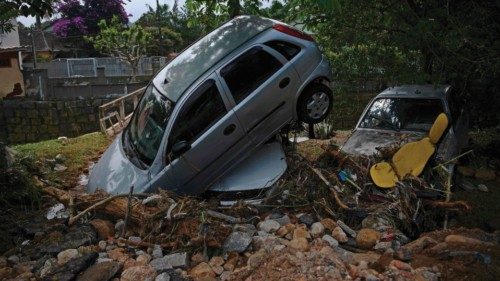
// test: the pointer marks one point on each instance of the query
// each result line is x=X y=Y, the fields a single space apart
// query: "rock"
x=67 y=255
x=47 y=267
x=160 y=265
x=301 y=232
x=375 y=222
x=216 y=261
x=269 y=226
x=13 y=259
x=198 y=258
x=225 y=276
x=339 y=235
x=60 y=168
x=136 y=273
x=329 y=224
x=466 y=171
x=178 y=260
x=104 y=228
x=157 y=252
x=268 y=243
x=100 y=272
x=367 y=238
x=482 y=187
x=381 y=247
x=453 y=238
x=118 y=254
x=119 y=226
x=69 y=270
x=426 y=274
x=231 y=261
x=202 y=271
x=419 y=245
x=102 y=245
x=237 y=242
x=300 y=244
x=135 y=239
x=248 y=228
x=163 y=277
x=400 y=265
x=60 y=158
x=485 y=174
x=283 y=220
x=317 y=230
x=330 y=240
x=346 y=229
x=3 y=262
x=306 y=219
x=143 y=259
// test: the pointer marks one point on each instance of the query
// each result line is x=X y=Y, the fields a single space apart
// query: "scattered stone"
x=329 y=224
x=60 y=168
x=202 y=271
x=137 y=273
x=103 y=271
x=237 y=242
x=216 y=261
x=102 y=245
x=317 y=229
x=135 y=239
x=248 y=228
x=346 y=229
x=160 y=265
x=119 y=226
x=157 y=252
x=382 y=247
x=306 y=219
x=13 y=259
x=367 y=238
x=269 y=226
x=163 y=277
x=466 y=171
x=482 y=187
x=67 y=255
x=58 y=211
x=301 y=232
x=231 y=261
x=118 y=254
x=330 y=240
x=143 y=259
x=397 y=264
x=339 y=235
x=419 y=245
x=453 y=238
x=485 y=174
x=178 y=260
x=104 y=228
x=69 y=270
x=300 y=244
x=283 y=220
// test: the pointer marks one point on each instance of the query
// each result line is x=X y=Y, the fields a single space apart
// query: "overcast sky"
x=135 y=7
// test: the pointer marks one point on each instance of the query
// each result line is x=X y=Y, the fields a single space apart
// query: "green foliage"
x=121 y=41
x=13 y=8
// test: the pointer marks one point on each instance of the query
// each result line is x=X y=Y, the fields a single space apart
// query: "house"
x=11 y=77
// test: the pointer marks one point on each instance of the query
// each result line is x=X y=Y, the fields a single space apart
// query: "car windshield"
x=409 y=114
x=147 y=127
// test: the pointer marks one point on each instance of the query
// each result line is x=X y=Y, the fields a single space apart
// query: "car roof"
x=415 y=91
x=176 y=77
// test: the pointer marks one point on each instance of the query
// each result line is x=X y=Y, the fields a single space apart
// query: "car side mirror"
x=180 y=148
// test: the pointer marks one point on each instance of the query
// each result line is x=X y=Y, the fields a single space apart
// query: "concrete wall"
x=24 y=121
x=10 y=75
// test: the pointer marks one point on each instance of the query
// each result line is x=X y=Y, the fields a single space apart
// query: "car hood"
x=115 y=174
x=366 y=141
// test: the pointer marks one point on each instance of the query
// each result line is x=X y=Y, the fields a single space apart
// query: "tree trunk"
x=234 y=8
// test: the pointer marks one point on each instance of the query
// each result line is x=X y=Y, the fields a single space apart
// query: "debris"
x=330 y=240
x=237 y=242
x=347 y=229
x=177 y=260
x=367 y=238
x=202 y=271
x=100 y=271
x=339 y=235
x=135 y=273
x=269 y=226
x=317 y=230
x=482 y=187
x=58 y=211
x=306 y=219
x=60 y=168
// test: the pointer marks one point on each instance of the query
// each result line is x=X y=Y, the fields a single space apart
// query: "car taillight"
x=293 y=32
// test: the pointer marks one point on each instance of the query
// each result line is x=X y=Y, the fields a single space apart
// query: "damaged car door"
x=205 y=135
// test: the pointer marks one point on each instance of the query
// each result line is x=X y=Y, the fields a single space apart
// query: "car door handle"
x=284 y=82
x=229 y=129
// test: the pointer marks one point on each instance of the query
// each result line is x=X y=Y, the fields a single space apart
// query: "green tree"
x=13 y=8
x=118 y=40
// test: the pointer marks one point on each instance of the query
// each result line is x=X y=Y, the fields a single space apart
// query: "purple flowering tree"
x=82 y=17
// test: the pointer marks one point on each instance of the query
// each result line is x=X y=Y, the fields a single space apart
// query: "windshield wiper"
x=392 y=125
x=132 y=153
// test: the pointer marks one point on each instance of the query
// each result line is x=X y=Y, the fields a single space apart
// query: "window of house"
x=288 y=50
x=205 y=108
x=249 y=71
x=5 y=62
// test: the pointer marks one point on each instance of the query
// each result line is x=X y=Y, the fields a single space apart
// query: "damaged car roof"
x=411 y=91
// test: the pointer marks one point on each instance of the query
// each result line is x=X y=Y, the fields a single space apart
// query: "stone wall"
x=24 y=121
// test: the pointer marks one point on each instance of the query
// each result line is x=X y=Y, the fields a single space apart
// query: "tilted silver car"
x=409 y=110
x=215 y=106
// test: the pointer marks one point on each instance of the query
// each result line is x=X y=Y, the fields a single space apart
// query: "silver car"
x=214 y=105
x=410 y=111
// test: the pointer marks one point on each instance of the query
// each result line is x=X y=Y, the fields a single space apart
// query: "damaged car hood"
x=366 y=141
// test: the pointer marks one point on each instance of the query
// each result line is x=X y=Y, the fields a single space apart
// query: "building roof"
x=12 y=49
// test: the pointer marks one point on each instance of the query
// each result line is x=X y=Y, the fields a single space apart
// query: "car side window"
x=205 y=108
x=246 y=73
x=288 y=50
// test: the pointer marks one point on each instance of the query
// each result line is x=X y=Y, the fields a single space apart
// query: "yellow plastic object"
x=383 y=175
x=412 y=157
x=438 y=128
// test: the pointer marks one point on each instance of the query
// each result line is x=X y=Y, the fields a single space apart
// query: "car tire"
x=315 y=103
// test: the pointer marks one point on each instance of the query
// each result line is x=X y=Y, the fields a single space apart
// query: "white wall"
x=11 y=39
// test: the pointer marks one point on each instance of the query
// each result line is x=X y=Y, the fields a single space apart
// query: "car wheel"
x=314 y=104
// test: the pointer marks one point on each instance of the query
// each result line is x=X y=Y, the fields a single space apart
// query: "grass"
x=76 y=151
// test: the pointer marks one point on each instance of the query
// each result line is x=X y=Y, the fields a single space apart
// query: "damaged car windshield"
x=147 y=127
x=408 y=114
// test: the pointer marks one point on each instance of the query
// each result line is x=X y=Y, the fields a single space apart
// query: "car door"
x=262 y=84
x=213 y=133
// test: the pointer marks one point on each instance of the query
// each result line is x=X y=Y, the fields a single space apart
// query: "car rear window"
x=247 y=72
x=288 y=50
